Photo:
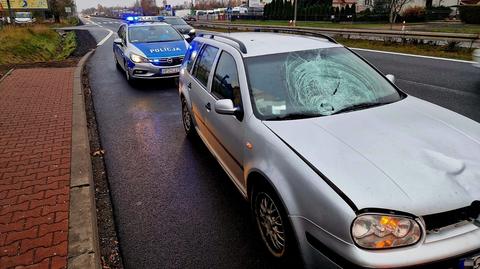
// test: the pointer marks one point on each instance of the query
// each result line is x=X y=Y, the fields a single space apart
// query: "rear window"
x=174 y=21
x=153 y=33
x=204 y=64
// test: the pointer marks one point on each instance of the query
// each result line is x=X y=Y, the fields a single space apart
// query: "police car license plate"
x=471 y=262
x=170 y=71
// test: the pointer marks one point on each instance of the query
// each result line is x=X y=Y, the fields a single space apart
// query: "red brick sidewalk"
x=35 y=145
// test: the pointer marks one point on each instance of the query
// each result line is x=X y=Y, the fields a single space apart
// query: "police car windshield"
x=174 y=21
x=153 y=33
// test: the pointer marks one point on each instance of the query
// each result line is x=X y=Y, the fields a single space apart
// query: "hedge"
x=470 y=13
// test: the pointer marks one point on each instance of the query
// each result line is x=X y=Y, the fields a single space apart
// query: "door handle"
x=189 y=85
x=208 y=106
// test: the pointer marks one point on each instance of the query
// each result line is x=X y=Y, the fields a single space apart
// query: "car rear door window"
x=204 y=64
x=225 y=83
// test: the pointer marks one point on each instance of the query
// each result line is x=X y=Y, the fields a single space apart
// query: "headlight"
x=192 y=31
x=375 y=231
x=138 y=59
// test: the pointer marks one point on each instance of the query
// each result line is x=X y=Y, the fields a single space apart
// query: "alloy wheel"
x=270 y=224
x=187 y=120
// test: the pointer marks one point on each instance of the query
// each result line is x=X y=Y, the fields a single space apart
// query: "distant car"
x=149 y=50
x=342 y=168
x=87 y=16
x=24 y=18
x=179 y=24
x=189 y=18
x=476 y=58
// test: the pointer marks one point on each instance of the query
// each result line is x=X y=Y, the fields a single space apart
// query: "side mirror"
x=226 y=107
x=391 y=78
x=118 y=41
x=190 y=36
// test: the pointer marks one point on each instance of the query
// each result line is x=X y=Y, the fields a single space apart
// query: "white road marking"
x=110 y=33
x=441 y=88
x=418 y=56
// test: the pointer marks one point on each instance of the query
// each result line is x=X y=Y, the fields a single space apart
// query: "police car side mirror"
x=118 y=41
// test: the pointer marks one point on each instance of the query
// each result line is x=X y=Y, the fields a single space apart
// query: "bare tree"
x=395 y=7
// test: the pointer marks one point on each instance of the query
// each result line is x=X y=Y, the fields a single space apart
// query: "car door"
x=227 y=130
x=199 y=95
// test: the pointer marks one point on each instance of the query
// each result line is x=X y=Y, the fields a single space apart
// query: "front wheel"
x=274 y=227
x=187 y=120
x=128 y=76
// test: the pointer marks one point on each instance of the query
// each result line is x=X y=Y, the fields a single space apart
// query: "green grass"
x=417 y=49
x=433 y=27
x=31 y=44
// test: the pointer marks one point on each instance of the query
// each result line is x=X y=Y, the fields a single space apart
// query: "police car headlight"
x=138 y=59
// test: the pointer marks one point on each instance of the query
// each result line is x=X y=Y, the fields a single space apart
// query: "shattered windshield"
x=315 y=83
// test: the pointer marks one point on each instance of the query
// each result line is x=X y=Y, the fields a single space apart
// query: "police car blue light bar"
x=133 y=19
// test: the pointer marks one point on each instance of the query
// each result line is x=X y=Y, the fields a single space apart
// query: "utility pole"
x=295 y=14
x=10 y=12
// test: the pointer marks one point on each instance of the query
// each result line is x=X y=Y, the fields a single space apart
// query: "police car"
x=147 y=48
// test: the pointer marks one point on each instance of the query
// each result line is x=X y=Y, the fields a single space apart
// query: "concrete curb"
x=6 y=74
x=83 y=242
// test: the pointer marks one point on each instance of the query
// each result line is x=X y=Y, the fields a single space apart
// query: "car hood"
x=162 y=49
x=183 y=29
x=410 y=156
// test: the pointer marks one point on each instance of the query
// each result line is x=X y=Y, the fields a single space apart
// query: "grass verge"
x=33 y=44
x=428 y=27
x=416 y=49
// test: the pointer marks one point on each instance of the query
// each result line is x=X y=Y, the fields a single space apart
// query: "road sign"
x=229 y=10
x=168 y=7
x=25 y=4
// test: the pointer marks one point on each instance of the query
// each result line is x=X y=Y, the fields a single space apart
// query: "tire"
x=187 y=120
x=119 y=67
x=273 y=225
x=130 y=80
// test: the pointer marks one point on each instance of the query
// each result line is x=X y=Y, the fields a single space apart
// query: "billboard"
x=25 y=4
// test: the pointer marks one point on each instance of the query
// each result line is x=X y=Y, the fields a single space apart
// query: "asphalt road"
x=173 y=204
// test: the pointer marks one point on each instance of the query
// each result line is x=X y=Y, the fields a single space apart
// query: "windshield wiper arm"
x=295 y=116
x=358 y=107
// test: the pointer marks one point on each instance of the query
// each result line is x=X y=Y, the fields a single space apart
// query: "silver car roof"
x=258 y=43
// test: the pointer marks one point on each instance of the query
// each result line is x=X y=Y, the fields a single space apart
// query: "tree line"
x=309 y=10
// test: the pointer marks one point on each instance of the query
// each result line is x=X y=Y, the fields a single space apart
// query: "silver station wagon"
x=342 y=169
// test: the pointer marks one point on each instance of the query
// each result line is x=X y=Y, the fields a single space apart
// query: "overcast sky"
x=83 y=4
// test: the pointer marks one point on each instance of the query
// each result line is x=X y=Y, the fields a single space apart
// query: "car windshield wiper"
x=358 y=107
x=295 y=116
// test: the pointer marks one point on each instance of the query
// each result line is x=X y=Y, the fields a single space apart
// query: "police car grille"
x=168 y=61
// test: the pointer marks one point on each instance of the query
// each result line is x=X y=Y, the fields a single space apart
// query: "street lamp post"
x=295 y=14
x=10 y=11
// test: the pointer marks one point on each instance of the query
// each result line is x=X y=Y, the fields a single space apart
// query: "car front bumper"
x=151 y=71
x=321 y=249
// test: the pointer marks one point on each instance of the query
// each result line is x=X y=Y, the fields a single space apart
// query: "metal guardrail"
x=469 y=40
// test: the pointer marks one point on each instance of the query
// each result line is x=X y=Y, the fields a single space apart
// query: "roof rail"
x=296 y=31
x=212 y=35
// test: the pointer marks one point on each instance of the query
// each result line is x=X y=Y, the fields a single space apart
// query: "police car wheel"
x=128 y=77
x=119 y=67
